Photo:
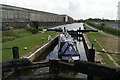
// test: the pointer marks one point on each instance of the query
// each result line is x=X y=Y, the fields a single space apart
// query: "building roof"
x=9 y=7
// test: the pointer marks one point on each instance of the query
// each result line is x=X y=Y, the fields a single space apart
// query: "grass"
x=11 y=38
x=92 y=36
x=12 y=32
x=30 y=42
x=106 y=60
x=98 y=36
x=10 y=35
x=116 y=58
x=105 y=28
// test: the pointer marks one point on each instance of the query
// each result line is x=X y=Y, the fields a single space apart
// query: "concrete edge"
x=37 y=52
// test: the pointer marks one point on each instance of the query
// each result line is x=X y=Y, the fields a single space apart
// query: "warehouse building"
x=17 y=17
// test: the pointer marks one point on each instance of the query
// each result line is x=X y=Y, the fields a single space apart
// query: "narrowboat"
x=68 y=50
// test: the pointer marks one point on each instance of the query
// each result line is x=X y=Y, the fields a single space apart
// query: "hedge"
x=105 y=28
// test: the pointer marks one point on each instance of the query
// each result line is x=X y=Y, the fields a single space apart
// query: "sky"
x=78 y=9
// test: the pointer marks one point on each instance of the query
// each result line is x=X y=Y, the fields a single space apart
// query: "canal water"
x=73 y=26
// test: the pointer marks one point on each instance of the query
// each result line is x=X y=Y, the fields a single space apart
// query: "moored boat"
x=67 y=48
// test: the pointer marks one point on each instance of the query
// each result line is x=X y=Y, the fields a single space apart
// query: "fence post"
x=15 y=52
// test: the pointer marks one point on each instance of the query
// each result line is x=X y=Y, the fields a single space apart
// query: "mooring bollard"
x=15 y=52
x=91 y=54
x=91 y=58
x=64 y=28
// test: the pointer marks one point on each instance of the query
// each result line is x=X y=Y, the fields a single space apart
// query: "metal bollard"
x=64 y=28
x=91 y=54
x=91 y=58
x=15 y=52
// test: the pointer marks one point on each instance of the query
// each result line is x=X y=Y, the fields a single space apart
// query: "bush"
x=32 y=30
x=105 y=28
x=41 y=28
x=103 y=24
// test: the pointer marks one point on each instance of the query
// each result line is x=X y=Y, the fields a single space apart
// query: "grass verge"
x=11 y=38
x=92 y=36
x=116 y=58
x=105 y=28
x=30 y=42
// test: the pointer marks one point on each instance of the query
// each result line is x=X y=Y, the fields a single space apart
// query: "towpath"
x=110 y=46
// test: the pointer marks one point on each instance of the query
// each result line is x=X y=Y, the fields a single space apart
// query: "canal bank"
x=105 y=28
x=43 y=51
x=109 y=47
x=31 y=43
x=39 y=54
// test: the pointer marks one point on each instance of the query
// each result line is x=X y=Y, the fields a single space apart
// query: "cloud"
x=76 y=8
x=94 y=9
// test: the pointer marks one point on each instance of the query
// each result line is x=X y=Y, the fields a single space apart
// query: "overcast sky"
x=78 y=9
